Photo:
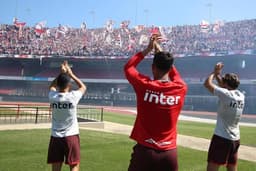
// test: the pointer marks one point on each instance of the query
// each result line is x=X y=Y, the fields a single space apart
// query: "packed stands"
x=188 y=40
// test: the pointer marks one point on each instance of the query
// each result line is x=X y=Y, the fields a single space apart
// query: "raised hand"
x=69 y=70
x=153 y=44
x=218 y=68
x=157 y=47
x=65 y=68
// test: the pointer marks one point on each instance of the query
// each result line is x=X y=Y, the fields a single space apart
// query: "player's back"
x=230 y=109
x=158 y=107
x=64 y=112
x=160 y=102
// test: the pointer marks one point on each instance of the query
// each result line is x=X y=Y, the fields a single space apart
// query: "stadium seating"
x=230 y=37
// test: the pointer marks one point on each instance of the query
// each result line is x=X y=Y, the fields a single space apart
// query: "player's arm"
x=130 y=68
x=53 y=85
x=209 y=83
x=80 y=84
x=218 y=79
x=217 y=73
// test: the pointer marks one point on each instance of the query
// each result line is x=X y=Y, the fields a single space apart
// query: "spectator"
x=187 y=40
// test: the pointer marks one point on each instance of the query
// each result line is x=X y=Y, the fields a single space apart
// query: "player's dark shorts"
x=148 y=159
x=67 y=148
x=223 y=151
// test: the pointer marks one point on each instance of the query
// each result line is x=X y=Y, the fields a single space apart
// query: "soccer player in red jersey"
x=159 y=102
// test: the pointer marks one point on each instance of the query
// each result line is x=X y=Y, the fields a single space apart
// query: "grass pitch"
x=27 y=150
x=196 y=129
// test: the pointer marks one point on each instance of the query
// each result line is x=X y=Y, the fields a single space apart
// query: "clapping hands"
x=65 y=68
x=154 y=43
x=218 y=68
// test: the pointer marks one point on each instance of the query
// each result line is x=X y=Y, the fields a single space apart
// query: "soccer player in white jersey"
x=223 y=150
x=65 y=143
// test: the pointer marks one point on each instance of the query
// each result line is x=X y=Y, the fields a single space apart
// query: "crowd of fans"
x=188 y=39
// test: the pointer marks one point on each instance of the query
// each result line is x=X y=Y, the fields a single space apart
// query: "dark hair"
x=62 y=81
x=231 y=80
x=163 y=61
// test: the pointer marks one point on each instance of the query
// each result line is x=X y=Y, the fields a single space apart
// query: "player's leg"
x=231 y=167
x=56 y=166
x=74 y=167
x=55 y=153
x=233 y=156
x=141 y=159
x=72 y=152
x=166 y=160
x=212 y=167
x=218 y=153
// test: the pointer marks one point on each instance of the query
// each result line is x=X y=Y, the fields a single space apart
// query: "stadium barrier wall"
x=20 y=113
x=192 y=102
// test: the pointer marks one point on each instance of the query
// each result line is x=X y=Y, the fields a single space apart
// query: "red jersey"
x=158 y=106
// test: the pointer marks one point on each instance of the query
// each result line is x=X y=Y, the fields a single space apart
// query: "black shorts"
x=67 y=148
x=148 y=159
x=223 y=151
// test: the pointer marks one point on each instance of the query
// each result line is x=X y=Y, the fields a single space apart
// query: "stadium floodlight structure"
x=146 y=11
x=209 y=6
x=92 y=13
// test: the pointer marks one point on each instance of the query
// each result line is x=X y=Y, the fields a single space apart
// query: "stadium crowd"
x=110 y=41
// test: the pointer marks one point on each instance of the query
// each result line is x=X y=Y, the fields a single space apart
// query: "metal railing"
x=14 y=114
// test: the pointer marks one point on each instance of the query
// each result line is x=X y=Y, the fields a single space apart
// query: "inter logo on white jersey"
x=59 y=105
x=160 y=98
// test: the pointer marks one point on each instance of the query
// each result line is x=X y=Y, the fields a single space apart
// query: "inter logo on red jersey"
x=160 y=98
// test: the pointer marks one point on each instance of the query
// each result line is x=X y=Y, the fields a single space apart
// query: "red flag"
x=20 y=25
x=155 y=31
x=40 y=27
x=17 y=23
x=205 y=26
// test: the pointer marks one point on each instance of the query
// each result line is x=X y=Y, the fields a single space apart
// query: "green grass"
x=119 y=118
x=205 y=130
x=202 y=130
x=8 y=111
x=27 y=150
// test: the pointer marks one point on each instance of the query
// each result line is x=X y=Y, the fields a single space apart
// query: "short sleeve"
x=77 y=95
x=220 y=92
x=51 y=95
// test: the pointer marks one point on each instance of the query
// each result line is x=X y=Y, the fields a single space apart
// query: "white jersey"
x=64 y=112
x=230 y=109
